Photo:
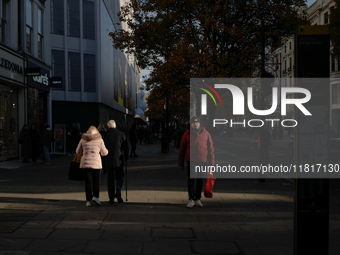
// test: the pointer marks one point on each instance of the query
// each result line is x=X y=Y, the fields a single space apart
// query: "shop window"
x=74 y=71
x=89 y=73
x=57 y=19
x=73 y=17
x=88 y=20
x=29 y=26
x=8 y=123
x=58 y=66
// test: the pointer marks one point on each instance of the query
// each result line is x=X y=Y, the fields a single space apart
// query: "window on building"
x=338 y=64
x=290 y=63
x=88 y=20
x=326 y=18
x=58 y=66
x=29 y=26
x=333 y=64
x=57 y=19
x=290 y=45
x=4 y=6
x=285 y=65
x=89 y=73
x=336 y=94
x=40 y=33
x=74 y=72
x=73 y=17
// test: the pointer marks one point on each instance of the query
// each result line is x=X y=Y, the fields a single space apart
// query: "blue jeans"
x=47 y=153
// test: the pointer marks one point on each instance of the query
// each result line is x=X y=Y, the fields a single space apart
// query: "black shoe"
x=120 y=200
x=111 y=201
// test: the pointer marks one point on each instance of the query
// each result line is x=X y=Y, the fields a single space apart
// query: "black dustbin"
x=164 y=144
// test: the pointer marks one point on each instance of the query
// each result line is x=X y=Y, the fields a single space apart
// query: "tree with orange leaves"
x=180 y=40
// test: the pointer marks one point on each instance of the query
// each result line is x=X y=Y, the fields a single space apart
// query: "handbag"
x=208 y=193
x=75 y=173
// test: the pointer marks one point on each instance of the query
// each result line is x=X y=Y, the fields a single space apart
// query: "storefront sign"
x=11 y=66
x=33 y=71
x=56 y=82
x=42 y=81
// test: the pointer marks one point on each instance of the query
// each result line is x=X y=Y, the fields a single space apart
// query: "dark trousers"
x=195 y=185
x=115 y=182
x=92 y=179
x=133 y=148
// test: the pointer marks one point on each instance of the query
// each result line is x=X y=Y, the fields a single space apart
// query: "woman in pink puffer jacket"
x=91 y=147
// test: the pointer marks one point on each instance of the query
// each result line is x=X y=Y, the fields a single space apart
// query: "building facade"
x=23 y=98
x=98 y=82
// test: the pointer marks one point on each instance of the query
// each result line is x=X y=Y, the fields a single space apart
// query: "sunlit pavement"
x=42 y=212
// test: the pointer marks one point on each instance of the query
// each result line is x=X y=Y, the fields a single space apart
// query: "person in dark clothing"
x=47 y=139
x=74 y=135
x=133 y=140
x=113 y=163
x=202 y=152
x=35 y=143
x=25 y=141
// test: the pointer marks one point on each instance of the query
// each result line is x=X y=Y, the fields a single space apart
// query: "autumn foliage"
x=187 y=39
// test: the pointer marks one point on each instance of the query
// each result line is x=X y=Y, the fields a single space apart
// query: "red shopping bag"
x=209 y=186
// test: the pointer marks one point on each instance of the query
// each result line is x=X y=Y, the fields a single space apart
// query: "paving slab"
x=57 y=245
x=167 y=247
x=213 y=247
x=113 y=247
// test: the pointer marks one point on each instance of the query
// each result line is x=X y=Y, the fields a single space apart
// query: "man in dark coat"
x=198 y=139
x=113 y=163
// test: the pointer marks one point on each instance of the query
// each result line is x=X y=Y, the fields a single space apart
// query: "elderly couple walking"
x=108 y=152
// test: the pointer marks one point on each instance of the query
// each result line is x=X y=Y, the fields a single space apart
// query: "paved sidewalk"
x=41 y=212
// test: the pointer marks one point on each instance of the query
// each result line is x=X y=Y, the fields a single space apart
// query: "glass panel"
x=57 y=21
x=29 y=13
x=8 y=123
x=28 y=39
x=89 y=73
x=88 y=20
x=74 y=71
x=58 y=66
x=73 y=18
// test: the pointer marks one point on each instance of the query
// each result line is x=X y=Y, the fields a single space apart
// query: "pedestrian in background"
x=198 y=139
x=73 y=134
x=133 y=140
x=35 y=143
x=25 y=141
x=91 y=147
x=101 y=128
x=47 y=138
x=113 y=163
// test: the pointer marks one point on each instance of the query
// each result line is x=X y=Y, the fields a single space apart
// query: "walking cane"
x=126 y=180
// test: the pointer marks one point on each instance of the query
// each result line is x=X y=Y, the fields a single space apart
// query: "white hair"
x=111 y=124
